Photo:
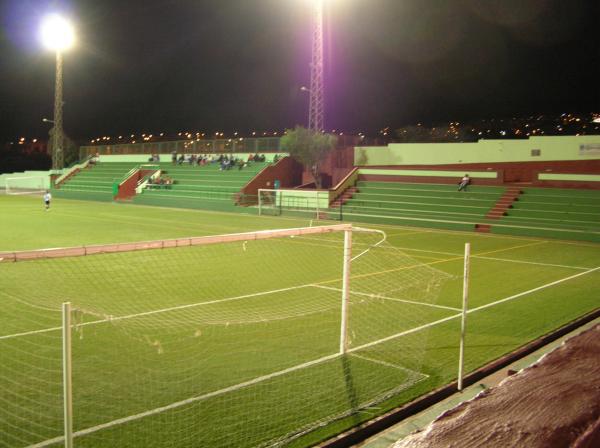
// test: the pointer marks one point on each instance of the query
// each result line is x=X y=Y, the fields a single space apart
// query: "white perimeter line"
x=537 y=263
x=163 y=310
x=288 y=370
x=376 y=296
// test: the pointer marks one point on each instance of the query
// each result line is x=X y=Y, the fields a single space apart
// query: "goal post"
x=26 y=185
x=280 y=201
x=263 y=336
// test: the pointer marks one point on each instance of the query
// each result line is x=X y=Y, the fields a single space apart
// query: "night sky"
x=237 y=65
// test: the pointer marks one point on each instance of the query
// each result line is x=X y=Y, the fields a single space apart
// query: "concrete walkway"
x=419 y=421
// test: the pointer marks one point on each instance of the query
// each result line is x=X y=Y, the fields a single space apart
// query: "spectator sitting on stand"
x=464 y=182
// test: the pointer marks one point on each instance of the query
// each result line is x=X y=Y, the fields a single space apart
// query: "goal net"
x=26 y=185
x=252 y=339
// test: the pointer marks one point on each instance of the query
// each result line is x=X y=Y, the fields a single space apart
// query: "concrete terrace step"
x=424 y=199
x=418 y=186
x=438 y=214
x=419 y=205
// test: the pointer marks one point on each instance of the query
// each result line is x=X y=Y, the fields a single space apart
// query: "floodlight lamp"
x=57 y=33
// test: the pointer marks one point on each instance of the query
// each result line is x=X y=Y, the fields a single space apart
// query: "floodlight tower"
x=57 y=34
x=316 y=113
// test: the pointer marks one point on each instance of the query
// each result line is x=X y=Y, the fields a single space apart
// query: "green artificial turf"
x=236 y=344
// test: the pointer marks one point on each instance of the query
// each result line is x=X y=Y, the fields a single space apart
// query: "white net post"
x=67 y=375
x=317 y=206
x=461 y=359
x=345 y=291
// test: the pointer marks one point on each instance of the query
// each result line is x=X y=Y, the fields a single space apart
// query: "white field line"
x=389 y=364
x=46 y=330
x=539 y=288
x=536 y=263
x=507 y=260
x=408 y=249
x=290 y=369
x=177 y=404
x=162 y=310
x=488 y=305
x=377 y=296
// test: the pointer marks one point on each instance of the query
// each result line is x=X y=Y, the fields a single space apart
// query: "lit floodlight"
x=57 y=33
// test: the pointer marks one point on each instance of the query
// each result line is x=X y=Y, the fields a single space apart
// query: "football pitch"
x=238 y=344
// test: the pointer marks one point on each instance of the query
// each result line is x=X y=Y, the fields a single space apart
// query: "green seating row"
x=559 y=213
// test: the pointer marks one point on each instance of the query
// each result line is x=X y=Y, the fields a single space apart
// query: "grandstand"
x=429 y=205
x=200 y=186
x=268 y=331
x=94 y=182
x=543 y=212
x=193 y=186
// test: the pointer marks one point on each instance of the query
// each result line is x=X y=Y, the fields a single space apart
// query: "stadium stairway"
x=500 y=208
x=344 y=197
x=94 y=182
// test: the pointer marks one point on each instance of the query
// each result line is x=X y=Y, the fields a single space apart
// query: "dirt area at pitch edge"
x=553 y=403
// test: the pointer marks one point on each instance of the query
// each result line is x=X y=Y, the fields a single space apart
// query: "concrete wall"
x=484 y=151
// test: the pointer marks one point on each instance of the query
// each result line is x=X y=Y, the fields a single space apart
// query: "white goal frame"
x=25 y=185
x=67 y=325
x=292 y=200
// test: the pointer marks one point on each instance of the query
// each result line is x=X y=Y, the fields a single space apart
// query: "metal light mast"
x=58 y=137
x=316 y=113
x=58 y=35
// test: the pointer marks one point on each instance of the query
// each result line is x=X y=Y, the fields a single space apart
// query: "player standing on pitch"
x=47 y=199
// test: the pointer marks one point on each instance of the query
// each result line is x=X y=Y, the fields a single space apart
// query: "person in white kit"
x=47 y=199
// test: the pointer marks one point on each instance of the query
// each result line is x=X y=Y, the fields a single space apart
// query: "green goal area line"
x=305 y=365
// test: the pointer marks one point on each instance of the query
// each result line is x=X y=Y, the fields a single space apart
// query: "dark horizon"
x=238 y=65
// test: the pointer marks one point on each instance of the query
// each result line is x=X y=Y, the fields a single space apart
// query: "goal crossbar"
x=61 y=252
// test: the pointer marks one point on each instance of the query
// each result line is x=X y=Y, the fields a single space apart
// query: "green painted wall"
x=484 y=151
x=567 y=177
x=434 y=173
